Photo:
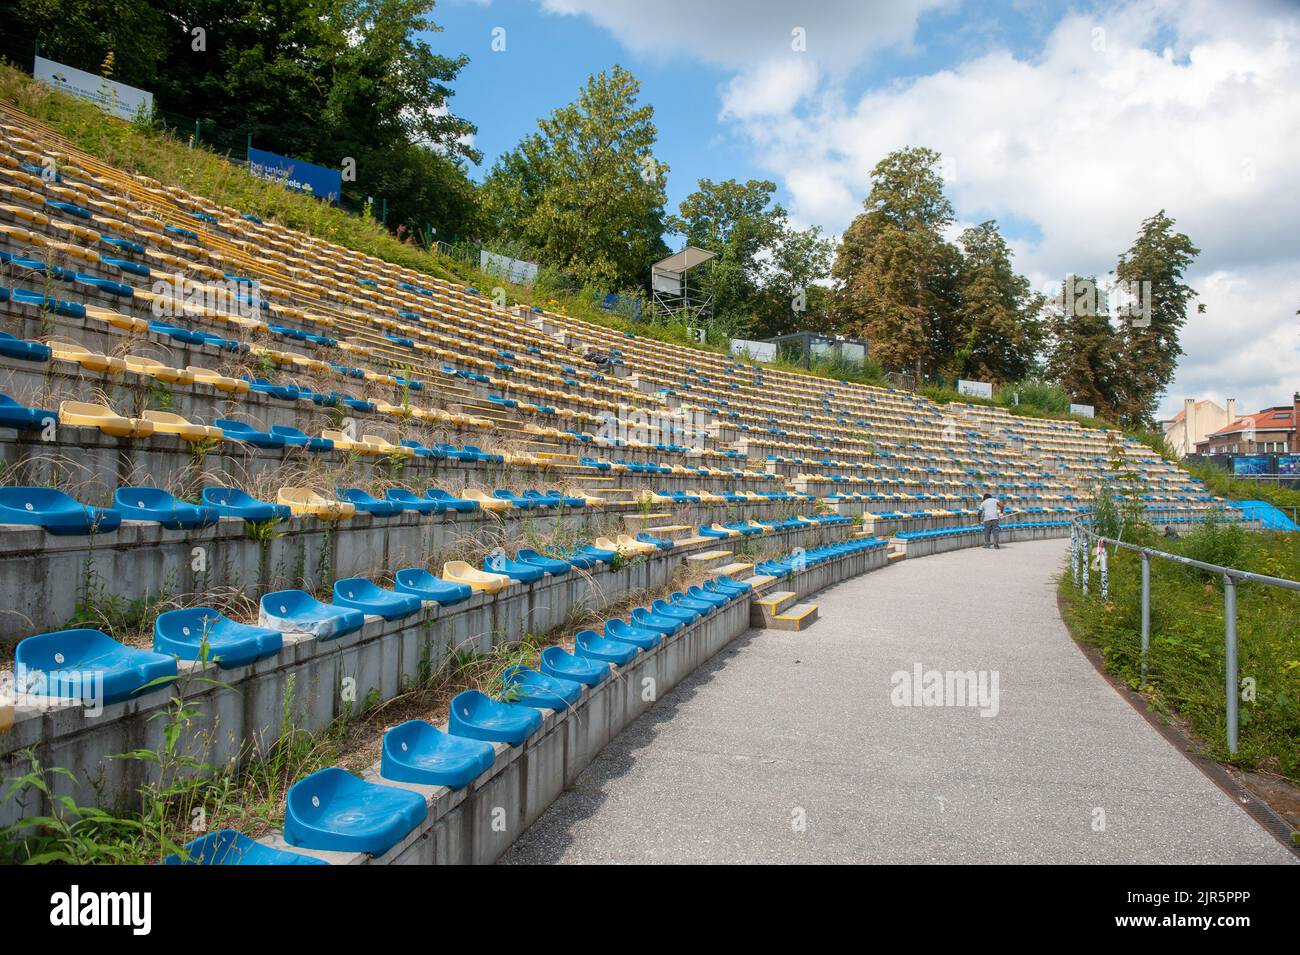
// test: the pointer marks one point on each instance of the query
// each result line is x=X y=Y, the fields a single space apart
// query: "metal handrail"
x=1081 y=536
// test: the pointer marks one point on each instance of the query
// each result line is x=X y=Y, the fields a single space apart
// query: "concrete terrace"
x=782 y=726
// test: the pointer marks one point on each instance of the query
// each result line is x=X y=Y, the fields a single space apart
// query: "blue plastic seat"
x=182 y=632
x=232 y=502
x=685 y=614
x=652 y=621
x=559 y=662
x=22 y=349
x=89 y=665
x=624 y=632
x=498 y=563
x=518 y=500
x=155 y=504
x=298 y=439
x=418 y=582
x=228 y=847
x=598 y=553
x=659 y=542
x=333 y=809
x=723 y=582
x=524 y=685
x=715 y=598
x=368 y=503
x=553 y=566
x=366 y=596
x=700 y=607
x=240 y=431
x=449 y=502
x=542 y=500
x=14 y=415
x=298 y=611
x=420 y=450
x=55 y=511
x=410 y=501
x=590 y=644
x=418 y=752
x=475 y=715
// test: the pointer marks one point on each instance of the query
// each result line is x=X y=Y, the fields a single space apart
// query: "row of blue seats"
x=748 y=530
x=196 y=633
x=335 y=810
x=802 y=559
x=59 y=513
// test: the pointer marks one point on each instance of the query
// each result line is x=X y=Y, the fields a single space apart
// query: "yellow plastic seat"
x=165 y=422
x=480 y=581
x=87 y=359
x=630 y=545
x=708 y=497
x=84 y=414
x=156 y=369
x=234 y=386
x=381 y=446
x=729 y=531
x=303 y=500
x=125 y=322
x=343 y=443
x=485 y=500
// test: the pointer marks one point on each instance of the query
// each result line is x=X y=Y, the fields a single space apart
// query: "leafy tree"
x=320 y=80
x=1084 y=349
x=585 y=192
x=1159 y=256
x=999 y=314
x=793 y=297
x=897 y=275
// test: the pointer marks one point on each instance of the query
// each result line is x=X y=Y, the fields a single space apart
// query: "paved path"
x=787 y=727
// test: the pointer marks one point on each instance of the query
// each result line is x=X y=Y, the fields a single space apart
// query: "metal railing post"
x=1103 y=559
x=1086 y=568
x=1074 y=554
x=1230 y=656
x=1146 y=613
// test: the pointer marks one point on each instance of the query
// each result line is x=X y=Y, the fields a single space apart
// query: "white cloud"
x=1193 y=107
x=1086 y=139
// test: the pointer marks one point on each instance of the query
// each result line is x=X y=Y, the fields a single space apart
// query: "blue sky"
x=1069 y=123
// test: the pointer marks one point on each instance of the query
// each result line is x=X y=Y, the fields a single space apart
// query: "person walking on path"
x=991 y=515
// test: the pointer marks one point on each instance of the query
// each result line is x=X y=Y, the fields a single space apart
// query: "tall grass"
x=1186 y=658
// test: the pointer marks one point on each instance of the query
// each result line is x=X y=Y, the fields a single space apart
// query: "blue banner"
x=319 y=181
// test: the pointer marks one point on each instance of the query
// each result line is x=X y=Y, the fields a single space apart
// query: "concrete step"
x=672 y=532
x=734 y=571
x=709 y=559
x=798 y=617
x=763 y=609
x=642 y=521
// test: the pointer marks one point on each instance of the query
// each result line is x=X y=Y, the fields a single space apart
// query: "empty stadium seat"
x=475 y=715
x=55 y=511
x=563 y=665
x=368 y=597
x=521 y=684
x=228 y=847
x=417 y=752
x=590 y=644
x=90 y=666
x=182 y=633
x=299 y=612
x=418 y=582
x=335 y=810
x=155 y=504
x=232 y=502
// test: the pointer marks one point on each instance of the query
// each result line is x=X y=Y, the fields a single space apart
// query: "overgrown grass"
x=1186 y=658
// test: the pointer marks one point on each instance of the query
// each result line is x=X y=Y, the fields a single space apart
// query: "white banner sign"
x=1088 y=411
x=974 y=389
x=758 y=351
x=512 y=270
x=125 y=102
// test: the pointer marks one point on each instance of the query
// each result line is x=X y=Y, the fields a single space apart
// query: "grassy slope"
x=1185 y=674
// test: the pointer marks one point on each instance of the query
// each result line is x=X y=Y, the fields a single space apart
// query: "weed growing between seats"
x=1186 y=658
x=186 y=796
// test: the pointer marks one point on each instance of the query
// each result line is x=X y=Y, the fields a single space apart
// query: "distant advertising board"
x=518 y=271
x=296 y=174
x=758 y=351
x=1250 y=464
x=974 y=389
x=1088 y=411
x=117 y=99
x=1288 y=464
